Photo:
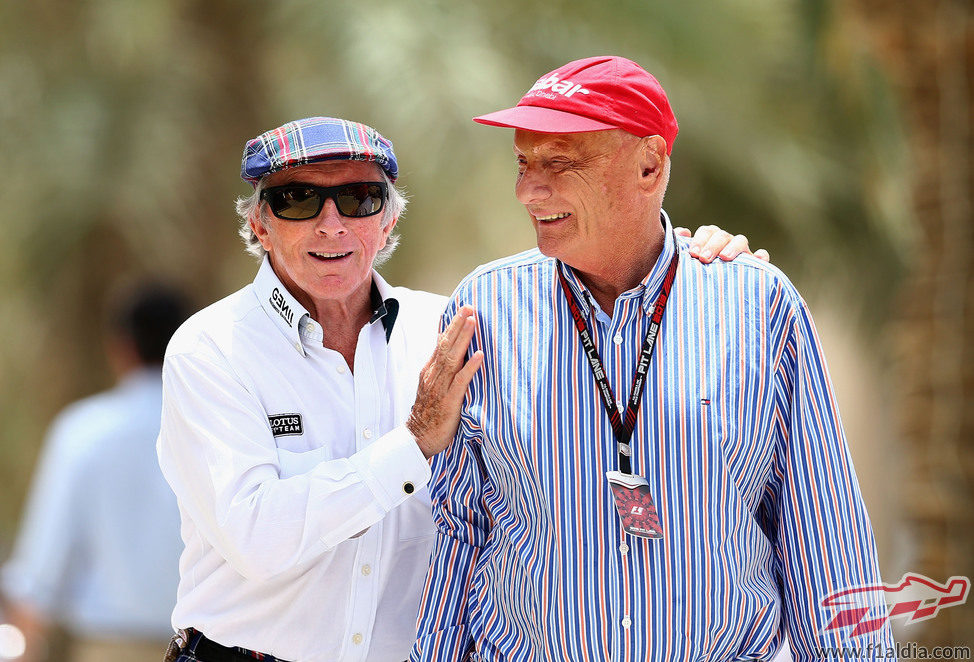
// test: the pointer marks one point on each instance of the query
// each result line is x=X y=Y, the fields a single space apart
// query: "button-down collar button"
x=341 y=369
x=408 y=487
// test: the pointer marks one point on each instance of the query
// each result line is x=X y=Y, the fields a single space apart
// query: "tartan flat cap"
x=315 y=139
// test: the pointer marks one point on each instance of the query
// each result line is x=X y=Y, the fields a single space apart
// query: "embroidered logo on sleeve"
x=283 y=425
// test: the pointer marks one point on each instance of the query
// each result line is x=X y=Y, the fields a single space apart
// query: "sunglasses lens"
x=360 y=199
x=300 y=202
x=294 y=203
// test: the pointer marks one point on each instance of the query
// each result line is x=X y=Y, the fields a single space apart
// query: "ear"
x=652 y=158
x=261 y=232
x=387 y=230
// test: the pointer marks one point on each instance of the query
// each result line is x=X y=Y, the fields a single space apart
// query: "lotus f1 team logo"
x=915 y=597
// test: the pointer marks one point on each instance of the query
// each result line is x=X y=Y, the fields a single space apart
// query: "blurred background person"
x=98 y=548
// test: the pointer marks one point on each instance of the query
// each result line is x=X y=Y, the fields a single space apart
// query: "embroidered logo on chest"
x=283 y=425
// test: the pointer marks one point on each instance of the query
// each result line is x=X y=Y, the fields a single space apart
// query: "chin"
x=550 y=247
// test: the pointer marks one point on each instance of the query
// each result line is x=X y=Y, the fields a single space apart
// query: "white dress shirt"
x=305 y=512
x=99 y=545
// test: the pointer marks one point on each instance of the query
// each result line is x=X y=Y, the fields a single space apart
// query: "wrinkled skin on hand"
x=443 y=383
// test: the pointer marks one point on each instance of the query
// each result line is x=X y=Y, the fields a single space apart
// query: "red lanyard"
x=622 y=427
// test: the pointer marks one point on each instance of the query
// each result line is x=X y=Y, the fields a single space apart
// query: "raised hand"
x=443 y=383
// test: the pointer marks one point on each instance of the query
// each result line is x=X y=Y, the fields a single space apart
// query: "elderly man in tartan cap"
x=293 y=432
x=305 y=513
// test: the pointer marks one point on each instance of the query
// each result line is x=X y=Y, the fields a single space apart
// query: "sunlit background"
x=835 y=134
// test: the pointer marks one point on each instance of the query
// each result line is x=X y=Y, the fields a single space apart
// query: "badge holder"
x=631 y=493
x=635 y=505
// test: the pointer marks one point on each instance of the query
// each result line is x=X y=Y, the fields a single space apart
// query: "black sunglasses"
x=299 y=202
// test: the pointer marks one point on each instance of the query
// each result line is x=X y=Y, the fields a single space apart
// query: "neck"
x=608 y=279
x=342 y=320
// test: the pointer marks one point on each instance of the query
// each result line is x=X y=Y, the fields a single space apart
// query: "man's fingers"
x=455 y=352
x=455 y=326
x=735 y=246
x=466 y=373
x=718 y=240
x=681 y=231
x=447 y=360
x=700 y=238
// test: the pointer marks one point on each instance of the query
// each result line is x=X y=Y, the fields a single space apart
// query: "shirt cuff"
x=393 y=467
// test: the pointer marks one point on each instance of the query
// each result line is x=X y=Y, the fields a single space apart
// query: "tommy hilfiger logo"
x=564 y=87
x=283 y=425
x=282 y=307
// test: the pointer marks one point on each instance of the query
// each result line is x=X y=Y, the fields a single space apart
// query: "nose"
x=329 y=222
x=531 y=187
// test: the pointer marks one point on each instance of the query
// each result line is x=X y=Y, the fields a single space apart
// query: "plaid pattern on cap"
x=315 y=139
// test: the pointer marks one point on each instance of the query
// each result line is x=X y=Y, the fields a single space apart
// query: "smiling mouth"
x=329 y=256
x=551 y=217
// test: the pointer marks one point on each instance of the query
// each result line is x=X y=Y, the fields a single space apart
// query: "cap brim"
x=542 y=120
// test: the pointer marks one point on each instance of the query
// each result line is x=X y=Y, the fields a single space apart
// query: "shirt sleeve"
x=39 y=571
x=462 y=525
x=218 y=453
x=813 y=511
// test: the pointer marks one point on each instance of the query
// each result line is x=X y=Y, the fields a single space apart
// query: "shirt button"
x=367 y=433
x=341 y=370
x=408 y=487
x=618 y=339
x=624 y=548
x=619 y=405
x=626 y=622
x=297 y=346
x=366 y=570
x=357 y=638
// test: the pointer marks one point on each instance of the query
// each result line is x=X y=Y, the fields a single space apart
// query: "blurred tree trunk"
x=928 y=50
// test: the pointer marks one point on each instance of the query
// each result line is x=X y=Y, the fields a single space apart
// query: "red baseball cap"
x=593 y=94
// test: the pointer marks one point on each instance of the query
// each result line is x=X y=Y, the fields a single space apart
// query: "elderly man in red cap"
x=293 y=431
x=650 y=463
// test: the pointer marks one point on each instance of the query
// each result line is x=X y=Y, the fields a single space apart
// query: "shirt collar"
x=648 y=289
x=385 y=306
x=294 y=320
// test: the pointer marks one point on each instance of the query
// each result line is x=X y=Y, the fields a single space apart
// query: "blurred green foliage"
x=122 y=123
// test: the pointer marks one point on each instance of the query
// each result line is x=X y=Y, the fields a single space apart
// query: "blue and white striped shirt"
x=738 y=436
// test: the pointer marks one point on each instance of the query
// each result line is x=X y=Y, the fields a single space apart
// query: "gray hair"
x=249 y=207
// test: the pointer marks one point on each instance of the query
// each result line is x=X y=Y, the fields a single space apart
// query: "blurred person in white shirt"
x=97 y=553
